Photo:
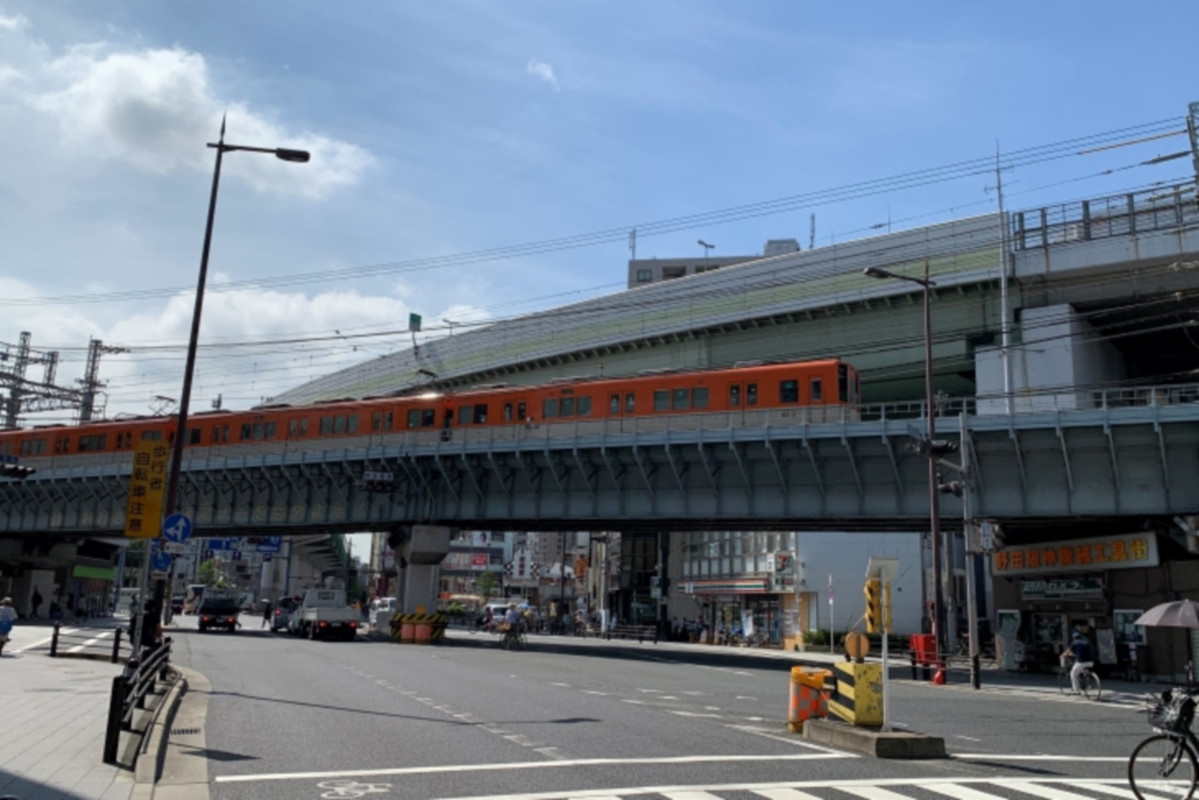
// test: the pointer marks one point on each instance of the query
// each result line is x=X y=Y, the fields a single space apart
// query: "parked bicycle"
x=1088 y=681
x=1164 y=765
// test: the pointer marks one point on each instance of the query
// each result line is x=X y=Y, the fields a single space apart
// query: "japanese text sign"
x=1082 y=555
x=147 y=484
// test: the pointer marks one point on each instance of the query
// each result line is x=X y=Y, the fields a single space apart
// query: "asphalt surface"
x=289 y=718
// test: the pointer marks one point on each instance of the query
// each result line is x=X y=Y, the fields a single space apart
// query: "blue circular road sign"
x=160 y=561
x=177 y=528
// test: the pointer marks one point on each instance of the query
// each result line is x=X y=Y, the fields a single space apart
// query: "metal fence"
x=129 y=692
x=1101 y=218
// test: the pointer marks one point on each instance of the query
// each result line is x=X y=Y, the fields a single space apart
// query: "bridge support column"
x=423 y=552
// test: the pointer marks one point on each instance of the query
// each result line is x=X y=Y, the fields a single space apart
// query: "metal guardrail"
x=129 y=692
x=88 y=642
x=1102 y=218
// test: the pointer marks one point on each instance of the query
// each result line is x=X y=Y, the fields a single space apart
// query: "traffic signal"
x=887 y=606
x=874 y=610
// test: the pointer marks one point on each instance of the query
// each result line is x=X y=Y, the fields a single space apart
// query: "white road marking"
x=874 y=793
x=650 y=691
x=564 y=685
x=791 y=740
x=694 y=714
x=969 y=738
x=744 y=697
x=690 y=796
x=961 y=792
x=633 y=702
x=1050 y=793
x=669 y=697
x=741 y=672
x=595 y=692
x=785 y=794
x=694 y=693
x=524 y=765
x=711 y=708
x=550 y=752
x=1116 y=791
x=1040 y=757
x=81 y=647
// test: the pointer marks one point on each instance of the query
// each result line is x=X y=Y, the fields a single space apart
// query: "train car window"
x=259 y=432
x=376 y=420
x=293 y=425
x=699 y=397
x=152 y=436
x=388 y=419
x=270 y=430
x=33 y=447
x=751 y=394
x=464 y=414
x=82 y=446
x=734 y=395
x=585 y=406
x=413 y=418
x=428 y=417
x=630 y=403
x=339 y=424
x=661 y=400
x=102 y=441
x=788 y=391
x=507 y=412
x=568 y=406
x=817 y=393
x=614 y=404
x=481 y=414
x=304 y=427
x=247 y=431
x=352 y=423
x=842 y=383
x=521 y=411
x=550 y=408
x=195 y=436
x=326 y=425
x=682 y=399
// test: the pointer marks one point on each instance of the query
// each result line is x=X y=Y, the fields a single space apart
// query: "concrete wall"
x=1057 y=348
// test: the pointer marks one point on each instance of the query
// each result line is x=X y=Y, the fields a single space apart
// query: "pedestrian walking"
x=266 y=613
x=36 y=602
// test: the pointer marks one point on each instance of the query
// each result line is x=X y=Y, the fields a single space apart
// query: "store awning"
x=734 y=586
x=94 y=573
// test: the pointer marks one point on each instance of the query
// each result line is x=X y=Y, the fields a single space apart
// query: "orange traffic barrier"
x=808 y=696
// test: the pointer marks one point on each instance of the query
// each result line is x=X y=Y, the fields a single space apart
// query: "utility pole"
x=91 y=383
x=633 y=245
x=1193 y=131
x=1005 y=328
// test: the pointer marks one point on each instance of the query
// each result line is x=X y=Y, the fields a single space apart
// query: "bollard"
x=912 y=658
x=54 y=642
x=116 y=707
x=116 y=647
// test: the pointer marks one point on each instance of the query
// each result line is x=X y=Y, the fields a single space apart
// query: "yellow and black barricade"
x=858 y=698
x=418 y=628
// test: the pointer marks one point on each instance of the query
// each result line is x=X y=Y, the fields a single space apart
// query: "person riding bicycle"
x=513 y=621
x=8 y=615
x=1080 y=651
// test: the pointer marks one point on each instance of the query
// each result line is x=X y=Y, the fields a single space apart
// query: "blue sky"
x=446 y=127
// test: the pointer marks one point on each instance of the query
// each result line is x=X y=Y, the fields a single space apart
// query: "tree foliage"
x=487 y=584
x=209 y=574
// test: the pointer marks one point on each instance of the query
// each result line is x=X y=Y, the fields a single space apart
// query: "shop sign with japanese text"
x=147 y=485
x=1082 y=555
x=1062 y=589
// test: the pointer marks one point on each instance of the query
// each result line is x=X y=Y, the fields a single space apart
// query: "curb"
x=151 y=753
x=181 y=773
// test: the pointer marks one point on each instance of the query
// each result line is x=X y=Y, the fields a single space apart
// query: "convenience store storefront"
x=729 y=604
x=1100 y=586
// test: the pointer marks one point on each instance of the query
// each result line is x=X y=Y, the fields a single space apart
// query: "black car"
x=218 y=613
x=177 y=604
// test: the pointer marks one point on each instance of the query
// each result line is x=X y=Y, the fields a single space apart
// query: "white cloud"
x=156 y=109
x=543 y=71
x=16 y=22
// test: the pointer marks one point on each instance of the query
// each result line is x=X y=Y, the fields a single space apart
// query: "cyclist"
x=1080 y=651
x=513 y=621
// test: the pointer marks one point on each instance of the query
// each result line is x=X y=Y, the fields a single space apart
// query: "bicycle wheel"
x=1063 y=682
x=1090 y=685
x=1162 y=766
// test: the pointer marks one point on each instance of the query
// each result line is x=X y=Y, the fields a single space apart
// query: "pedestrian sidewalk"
x=54 y=713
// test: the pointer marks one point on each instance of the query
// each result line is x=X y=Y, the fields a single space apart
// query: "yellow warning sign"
x=147 y=485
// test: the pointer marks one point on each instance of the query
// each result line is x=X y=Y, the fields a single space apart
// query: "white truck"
x=324 y=614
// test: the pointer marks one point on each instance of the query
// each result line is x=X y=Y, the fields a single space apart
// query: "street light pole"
x=934 y=498
x=181 y=433
x=706 y=248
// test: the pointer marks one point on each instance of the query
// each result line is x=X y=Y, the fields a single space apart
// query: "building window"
x=645 y=275
x=669 y=273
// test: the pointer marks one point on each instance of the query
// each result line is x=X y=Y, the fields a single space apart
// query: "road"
x=289 y=718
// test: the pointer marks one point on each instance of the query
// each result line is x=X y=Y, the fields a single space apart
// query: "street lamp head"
x=875 y=272
x=298 y=156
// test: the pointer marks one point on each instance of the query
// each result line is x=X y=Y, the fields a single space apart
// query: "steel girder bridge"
x=1132 y=455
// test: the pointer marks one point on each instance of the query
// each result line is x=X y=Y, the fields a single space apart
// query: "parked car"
x=282 y=613
x=177 y=604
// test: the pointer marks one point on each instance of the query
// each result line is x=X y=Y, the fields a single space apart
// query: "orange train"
x=759 y=387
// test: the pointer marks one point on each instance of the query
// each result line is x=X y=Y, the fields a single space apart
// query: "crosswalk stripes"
x=882 y=789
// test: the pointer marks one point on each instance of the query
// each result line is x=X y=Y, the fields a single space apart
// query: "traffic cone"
x=939 y=675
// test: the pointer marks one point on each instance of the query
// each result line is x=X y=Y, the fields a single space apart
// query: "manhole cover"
x=185 y=731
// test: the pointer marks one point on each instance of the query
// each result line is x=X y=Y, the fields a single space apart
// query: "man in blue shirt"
x=1080 y=650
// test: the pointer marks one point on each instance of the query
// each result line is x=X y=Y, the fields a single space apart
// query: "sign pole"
x=832 y=617
x=886 y=664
